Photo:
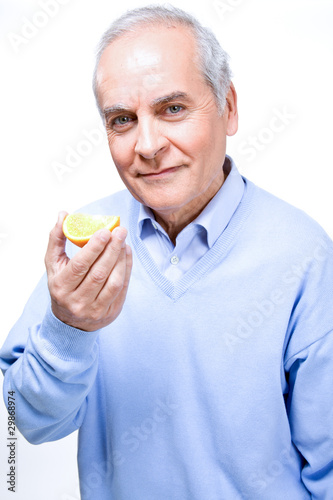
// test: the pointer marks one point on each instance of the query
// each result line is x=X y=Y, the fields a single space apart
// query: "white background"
x=281 y=57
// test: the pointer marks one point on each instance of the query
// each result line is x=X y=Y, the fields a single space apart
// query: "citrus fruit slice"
x=79 y=228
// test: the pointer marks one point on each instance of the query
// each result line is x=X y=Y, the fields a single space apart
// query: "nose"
x=150 y=140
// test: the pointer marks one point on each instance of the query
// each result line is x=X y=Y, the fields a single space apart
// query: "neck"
x=173 y=222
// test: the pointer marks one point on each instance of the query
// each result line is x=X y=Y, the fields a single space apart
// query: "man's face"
x=165 y=134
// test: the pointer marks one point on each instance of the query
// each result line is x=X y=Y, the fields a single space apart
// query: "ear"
x=231 y=111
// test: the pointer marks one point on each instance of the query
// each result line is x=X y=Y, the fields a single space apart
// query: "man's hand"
x=89 y=290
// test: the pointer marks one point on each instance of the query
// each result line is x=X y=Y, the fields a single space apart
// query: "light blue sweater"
x=216 y=387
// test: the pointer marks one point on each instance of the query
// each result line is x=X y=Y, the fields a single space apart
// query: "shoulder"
x=280 y=233
x=276 y=216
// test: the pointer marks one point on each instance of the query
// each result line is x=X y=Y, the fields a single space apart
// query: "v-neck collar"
x=174 y=290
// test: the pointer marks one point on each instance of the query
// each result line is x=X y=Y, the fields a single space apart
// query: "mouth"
x=161 y=174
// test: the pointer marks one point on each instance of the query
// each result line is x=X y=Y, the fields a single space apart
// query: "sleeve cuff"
x=64 y=341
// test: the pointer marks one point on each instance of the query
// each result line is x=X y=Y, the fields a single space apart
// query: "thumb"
x=56 y=247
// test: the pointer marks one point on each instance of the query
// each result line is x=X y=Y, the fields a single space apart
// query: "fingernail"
x=61 y=215
x=120 y=234
x=104 y=235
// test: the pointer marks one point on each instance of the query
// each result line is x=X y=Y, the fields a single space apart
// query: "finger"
x=78 y=267
x=100 y=271
x=116 y=306
x=129 y=265
x=114 y=284
x=56 y=245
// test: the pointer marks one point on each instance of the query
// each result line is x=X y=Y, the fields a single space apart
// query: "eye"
x=120 y=123
x=121 y=120
x=175 y=109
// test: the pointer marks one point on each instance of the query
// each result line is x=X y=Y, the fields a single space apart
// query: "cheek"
x=121 y=151
x=194 y=137
x=208 y=144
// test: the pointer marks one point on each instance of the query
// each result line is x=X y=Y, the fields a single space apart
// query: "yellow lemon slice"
x=79 y=228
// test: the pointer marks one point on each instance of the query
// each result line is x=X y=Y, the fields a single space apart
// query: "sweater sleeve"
x=311 y=414
x=309 y=368
x=51 y=367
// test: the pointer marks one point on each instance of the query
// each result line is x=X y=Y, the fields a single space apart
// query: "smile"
x=161 y=174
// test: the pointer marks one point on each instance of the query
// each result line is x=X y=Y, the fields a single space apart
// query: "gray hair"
x=213 y=60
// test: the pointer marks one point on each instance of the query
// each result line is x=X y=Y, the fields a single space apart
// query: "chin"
x=162 y=199
x=163 y=208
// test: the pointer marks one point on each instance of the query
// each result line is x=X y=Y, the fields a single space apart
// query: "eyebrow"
x=116 y=108
x=169 y=98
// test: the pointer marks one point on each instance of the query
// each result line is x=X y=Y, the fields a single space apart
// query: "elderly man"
x=209 y=377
